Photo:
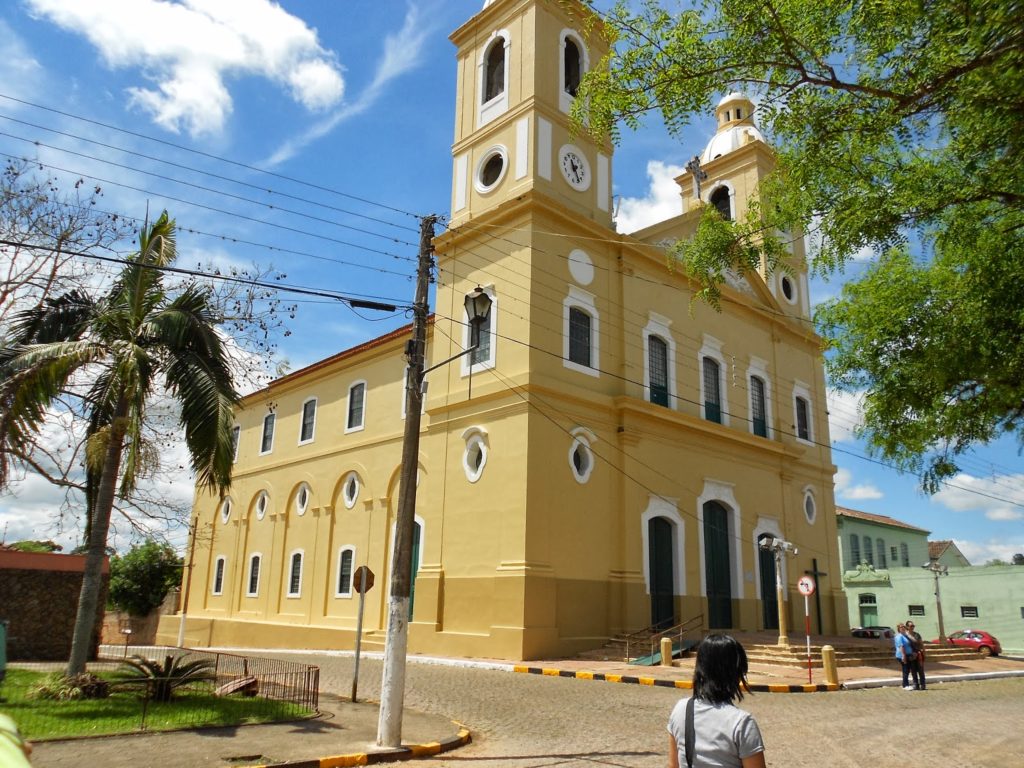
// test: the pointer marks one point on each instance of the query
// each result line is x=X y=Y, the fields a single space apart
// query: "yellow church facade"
x=609 y=457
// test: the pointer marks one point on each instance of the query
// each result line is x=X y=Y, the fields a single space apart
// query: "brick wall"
x=39 y=597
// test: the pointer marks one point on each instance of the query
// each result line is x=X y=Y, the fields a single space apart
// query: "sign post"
x=362 y=581
x=806 y=586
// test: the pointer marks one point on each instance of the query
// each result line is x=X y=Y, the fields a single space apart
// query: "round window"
x=475 y=458
x=788 y=289
x=302 y=500
x=261 y=506
x=491 y=169
x=582 y=460
x=351 y=490
x=225 y=510
x=810 y=510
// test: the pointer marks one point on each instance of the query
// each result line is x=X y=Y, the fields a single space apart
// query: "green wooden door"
x=659 y=547
x=716 y=565
x=415 y=566
x=769 y=597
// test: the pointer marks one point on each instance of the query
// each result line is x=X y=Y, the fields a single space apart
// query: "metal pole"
x=807 y=631
x=392 y=687
x=359 y=632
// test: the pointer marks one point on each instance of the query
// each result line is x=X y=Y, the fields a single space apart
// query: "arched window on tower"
x=573 y=66
x=494 y=70
x=720 y=199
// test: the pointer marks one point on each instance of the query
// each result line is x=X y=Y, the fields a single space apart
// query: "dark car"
x=873 y=632
x=979 y=640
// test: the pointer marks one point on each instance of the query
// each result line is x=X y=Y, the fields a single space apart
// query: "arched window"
x=254 y=576
x=345 y=559
x=720 y=199
x=572 y=66
x=308 y=426
x=579 y=337
x=880 y=553
x=267 y=443
x=482 y=353
x=494 y=70
x=236 y=433
x=295 y=575
x=356 y=406
x=904 y=554
x=802 y=411
x=657 y=358
x=758 y=409
x=218 y=575
x=712 y=390
x=854 y=550
x=869 y=556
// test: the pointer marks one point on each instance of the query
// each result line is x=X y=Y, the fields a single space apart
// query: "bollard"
x=828 y=663
x=666 y=651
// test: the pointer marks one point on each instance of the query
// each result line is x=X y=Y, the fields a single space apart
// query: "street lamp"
x=392 y=687
x=779 y=546
x=938 y=570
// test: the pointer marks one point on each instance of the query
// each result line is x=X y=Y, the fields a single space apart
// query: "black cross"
x=699 y=175
x=817 y=592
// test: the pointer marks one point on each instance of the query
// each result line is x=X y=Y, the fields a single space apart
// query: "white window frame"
x=483 y=365
x=478 y=182
x=351 y=575
x=220 y=562
x=348 y=407
x=659 y=325
x=291 y=564
x=300 y=509
x=302 y=419
x=801 y=390
x=349 y=476
x=582 y=438
x=225 y=509
x=263 y=433
x=668 y=508
x=476 y=438
x=712 y=347
x=565 y=99
x=489 y=110
x=236 y=438
x=264 y=497
x=583 y=300
x=759 y=368
x=248 y=574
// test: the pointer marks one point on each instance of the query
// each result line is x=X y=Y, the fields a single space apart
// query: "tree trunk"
x=92 y=579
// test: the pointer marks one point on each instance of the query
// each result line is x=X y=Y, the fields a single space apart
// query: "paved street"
x=521 y=720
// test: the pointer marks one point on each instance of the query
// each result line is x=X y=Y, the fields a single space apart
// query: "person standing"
x=707 y=729
x=918 y=645
x=905 y=656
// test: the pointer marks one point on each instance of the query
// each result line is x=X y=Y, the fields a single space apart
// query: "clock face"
x=575 y=168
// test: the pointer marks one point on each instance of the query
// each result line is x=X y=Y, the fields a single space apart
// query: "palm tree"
x=123 y=347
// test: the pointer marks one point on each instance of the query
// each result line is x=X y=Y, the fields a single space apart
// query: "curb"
x=886 y=682
x=659 y=683
x=410 y=752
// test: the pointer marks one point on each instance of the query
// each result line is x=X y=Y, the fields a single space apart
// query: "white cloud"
x=979 y=553
x=663 y=200
x=189 y=48
x=998 y=498
x=21 y=75
x=845 y=414
x=401 y=53
x=846 y=489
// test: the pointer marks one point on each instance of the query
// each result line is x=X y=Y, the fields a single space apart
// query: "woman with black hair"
x=707 y=729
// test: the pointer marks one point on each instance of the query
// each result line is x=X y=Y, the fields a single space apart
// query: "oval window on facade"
x=474 y=459
x=261 y=505
x=581 y=459
x=225 y=510
x=302 y=500
x=350 y=491
x=810 y=508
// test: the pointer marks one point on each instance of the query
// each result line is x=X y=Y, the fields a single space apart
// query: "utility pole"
x=392 y=686
x=938 y=570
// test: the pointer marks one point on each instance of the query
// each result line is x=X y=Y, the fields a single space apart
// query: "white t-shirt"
x=723 y=734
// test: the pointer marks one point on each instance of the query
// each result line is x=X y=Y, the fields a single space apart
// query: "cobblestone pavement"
x=521 y=720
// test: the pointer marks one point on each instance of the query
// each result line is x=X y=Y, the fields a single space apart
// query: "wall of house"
x=891 y=536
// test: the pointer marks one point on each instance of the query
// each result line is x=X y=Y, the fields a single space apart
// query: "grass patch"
x=126 y=712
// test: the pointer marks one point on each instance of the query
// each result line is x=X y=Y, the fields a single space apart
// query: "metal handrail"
x=652 y=634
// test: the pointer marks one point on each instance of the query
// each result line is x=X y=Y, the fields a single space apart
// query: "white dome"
x=734 y=96
x=732 y=138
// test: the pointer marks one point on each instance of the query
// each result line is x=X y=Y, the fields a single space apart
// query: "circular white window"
x=491 y=169
x=261 y=506
x=474 y=459
x=581 y=459
x=810 y=509
x=350 y=492
x=225 y=510
x=581 y=267
x=302 y=499
x=788 y=288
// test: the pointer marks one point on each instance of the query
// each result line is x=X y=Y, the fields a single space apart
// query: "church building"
x=607 y=459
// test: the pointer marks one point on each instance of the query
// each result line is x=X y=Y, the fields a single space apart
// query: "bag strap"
x=690 y=735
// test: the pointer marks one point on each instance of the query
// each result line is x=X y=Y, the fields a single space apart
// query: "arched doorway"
x=661 y=572
x=717 y=566
x=769 y=597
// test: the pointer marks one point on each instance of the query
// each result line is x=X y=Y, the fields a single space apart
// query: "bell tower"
x=519 y=65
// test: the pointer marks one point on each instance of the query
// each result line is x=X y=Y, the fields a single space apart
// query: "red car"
x=981 y=641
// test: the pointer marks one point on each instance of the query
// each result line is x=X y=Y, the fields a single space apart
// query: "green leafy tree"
x=1018 y=559
x=895 y=124
x=126 y=343
x=141 y=579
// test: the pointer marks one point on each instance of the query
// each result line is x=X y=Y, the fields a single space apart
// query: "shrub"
x=160 y=681
x=60 y=687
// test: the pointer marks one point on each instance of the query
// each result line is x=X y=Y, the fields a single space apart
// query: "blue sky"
x=355 y=99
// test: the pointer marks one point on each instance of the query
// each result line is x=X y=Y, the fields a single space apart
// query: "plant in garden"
x=141 y=579
x=61 y=687
x=160 y=680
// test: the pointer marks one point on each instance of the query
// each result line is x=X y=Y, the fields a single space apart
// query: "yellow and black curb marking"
x=584 y=675
x=413 y=751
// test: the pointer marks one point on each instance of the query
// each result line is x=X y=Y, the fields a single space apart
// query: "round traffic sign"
x=806 y=585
